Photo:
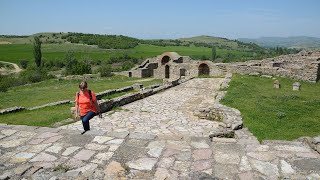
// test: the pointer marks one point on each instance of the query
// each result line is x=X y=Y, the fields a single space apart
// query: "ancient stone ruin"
x=171 y=65
x=302 y=66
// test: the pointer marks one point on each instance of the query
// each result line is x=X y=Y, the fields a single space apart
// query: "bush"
x=127 y=65
x=34 y=74
x=24 y=64
x=31 y=75
x=5 y=83
x=105 y=70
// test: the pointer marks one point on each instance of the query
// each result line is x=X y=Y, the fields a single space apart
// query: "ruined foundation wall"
x=303 y=66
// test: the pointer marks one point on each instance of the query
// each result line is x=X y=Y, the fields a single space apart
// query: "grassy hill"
x=212 y=40
x=303 y=42
x=223 y=43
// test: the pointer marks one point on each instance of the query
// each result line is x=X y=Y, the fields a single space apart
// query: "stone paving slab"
x=106 y=156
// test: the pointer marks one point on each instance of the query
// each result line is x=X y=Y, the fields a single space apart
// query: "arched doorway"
x=204 y=70
x=165 y=60
x=167 y=71
x=183 y=72
x=130 y=74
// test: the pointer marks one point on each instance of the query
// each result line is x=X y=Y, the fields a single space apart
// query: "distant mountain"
x=288 y=42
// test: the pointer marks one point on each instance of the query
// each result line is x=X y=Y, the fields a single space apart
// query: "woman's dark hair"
x=83 y=84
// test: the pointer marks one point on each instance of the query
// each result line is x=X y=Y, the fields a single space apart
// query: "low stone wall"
x=114 y=91
x=77 y=77
x=51 y=104
x=11 y=110
x=98 y=95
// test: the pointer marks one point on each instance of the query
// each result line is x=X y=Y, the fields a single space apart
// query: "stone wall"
x=302 y=66
x=107 y=105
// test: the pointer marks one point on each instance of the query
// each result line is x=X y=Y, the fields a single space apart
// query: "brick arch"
x=168 y=56
x=203 y=69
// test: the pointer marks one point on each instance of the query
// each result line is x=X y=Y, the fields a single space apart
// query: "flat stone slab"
x=143 y=164
x=308 y=164
x=44 y=157
x=142 y=136
x=22 y=157
x=102 y=139
x=70 y=150
x=84 y=154
x=200 y=145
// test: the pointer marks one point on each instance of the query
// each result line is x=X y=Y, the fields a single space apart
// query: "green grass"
x=270 y=113
x=53 y=90
x=41 y=117
x=16 y=52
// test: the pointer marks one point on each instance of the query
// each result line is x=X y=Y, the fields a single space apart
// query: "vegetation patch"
x=53 y=90
x=269 y=113
x=40 y=117
x=62 y=168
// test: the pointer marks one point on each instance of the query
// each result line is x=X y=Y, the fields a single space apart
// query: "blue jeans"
x=85 y=120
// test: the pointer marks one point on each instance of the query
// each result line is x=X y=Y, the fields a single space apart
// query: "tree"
x=73 y=66
x=37 y=51
x=214 y=53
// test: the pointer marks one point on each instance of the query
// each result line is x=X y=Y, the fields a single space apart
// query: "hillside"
x=287 y=42
x=222 y=43
x=113 y=49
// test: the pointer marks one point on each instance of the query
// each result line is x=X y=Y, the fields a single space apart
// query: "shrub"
x=24 y=64
x=281 y=115
x=34 y=74
x=127 y=65
x=105 y=70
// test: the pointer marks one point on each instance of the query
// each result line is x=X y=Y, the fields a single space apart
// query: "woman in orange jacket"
x=86 y=105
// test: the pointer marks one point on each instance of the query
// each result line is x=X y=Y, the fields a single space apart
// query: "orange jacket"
x=84 y=102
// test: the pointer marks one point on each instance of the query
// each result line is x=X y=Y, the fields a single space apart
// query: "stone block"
x=276 y=84
x=296 y=86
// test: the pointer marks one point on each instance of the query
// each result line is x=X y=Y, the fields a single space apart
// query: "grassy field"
x=53 y=90
x=270 y=113
x=41 y=117
x=16 y=52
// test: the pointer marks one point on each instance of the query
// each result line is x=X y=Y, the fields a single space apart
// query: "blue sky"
x=148 y=19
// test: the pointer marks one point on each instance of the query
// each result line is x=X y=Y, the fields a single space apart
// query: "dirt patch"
x=5 y=42
x=142 y=80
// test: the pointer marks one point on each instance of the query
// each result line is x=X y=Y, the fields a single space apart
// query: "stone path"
x=128 y=152
x=167 y=113
x=48 y=153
